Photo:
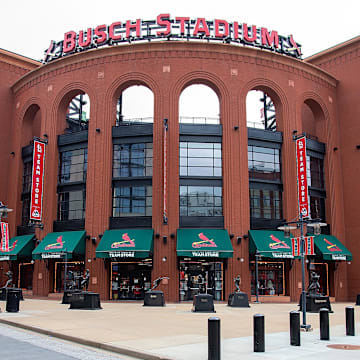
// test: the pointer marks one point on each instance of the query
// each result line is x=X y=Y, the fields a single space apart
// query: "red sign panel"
x=37 y=184
x=4 y=237
x=303 y=197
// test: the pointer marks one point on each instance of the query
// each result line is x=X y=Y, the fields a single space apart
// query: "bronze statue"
x=237 y=282
x=314 y=285
x=85 y=280
x=9 y=274
x=157 y=282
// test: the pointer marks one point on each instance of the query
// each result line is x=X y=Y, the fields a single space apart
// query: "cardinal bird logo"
x=332 y=247
x=11 y=248
x=278 y=244
x=205 y=242
x=58 y=245
x=127 y=242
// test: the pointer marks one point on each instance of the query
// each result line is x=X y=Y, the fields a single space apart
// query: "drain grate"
x=344 y=347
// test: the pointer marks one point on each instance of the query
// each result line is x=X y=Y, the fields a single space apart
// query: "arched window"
x=199 y=104
x=135 y=105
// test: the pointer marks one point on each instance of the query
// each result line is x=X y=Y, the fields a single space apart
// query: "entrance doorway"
x=130 y=281
x=25 y=276
x=201 y=277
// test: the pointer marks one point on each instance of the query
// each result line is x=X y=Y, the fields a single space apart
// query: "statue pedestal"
x=204 y=303
x=358 y=299
x=3 y=294
x=85 y=300
x=238 y=299
x=68 y=296
x=154 y=298
x=316 y=302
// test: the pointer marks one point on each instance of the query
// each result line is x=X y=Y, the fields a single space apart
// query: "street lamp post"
x=257 y=255
x=4 y=210
x=304 y=326
x=317 y=230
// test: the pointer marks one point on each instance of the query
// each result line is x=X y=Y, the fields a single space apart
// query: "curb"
x=119 y=350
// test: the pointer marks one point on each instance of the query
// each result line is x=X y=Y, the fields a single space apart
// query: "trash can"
x=13 y=299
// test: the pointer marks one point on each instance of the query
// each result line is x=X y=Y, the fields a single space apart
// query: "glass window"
x=27 y=177
x=71 y=205
x=25 y=213
x=265 y=204
x=270 y=278
x=315 y=172
x=132 y=160
x=264 y=163
x=200 y=159
x=73 y=166
x=200 y=201
x=132 y=201
x=317 y=207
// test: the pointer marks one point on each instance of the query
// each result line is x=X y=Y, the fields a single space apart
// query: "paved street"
x=19 y=344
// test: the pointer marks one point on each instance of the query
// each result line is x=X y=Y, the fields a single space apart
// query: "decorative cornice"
x=337 y=55
x=175 y=50
x=16 y=63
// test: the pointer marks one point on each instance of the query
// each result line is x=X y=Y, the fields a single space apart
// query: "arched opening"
x=199 y=104
x=31 y=125
x=135 y=105
x=260 y=111
x=312 y=118
x=78 y=113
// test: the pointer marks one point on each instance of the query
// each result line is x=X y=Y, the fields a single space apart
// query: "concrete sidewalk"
x=174 y=332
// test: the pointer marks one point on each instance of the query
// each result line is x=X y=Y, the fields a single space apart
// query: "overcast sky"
x=28 y=26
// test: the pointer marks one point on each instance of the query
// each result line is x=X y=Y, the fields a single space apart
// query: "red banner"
x=4 y=237
x=308 y=246
x=37 y=184
x=303 y=197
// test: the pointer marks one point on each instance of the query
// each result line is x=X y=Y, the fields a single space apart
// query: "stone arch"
x=63 y=98
x=124 y=82
x=30 y=120
x=314 y=115
x=277 y=95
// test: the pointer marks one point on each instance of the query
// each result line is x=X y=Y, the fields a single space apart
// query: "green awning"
x=203 y=243
x=61 y=245
x=126 y=243
x=19 y=247
x=270 y=244
x=330 y=248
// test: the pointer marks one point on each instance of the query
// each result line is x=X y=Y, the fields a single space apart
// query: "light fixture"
x=317 y=227
x=172 y=235
x=239 y=240
x=286 y=229
x=164 y=259
x=335 y=148
x=157 y=235
x=12 y=153
x=236 y=127
x=98 y=130
x=231 y=236
x=93 y=239
x=164 y=239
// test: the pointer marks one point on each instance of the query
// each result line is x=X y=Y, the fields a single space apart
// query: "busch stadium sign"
x=168 y=28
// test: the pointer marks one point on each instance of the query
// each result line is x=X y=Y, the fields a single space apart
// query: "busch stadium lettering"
x=167 y=28
x=205 y=253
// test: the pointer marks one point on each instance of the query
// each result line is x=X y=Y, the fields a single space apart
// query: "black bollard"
x=295 y=328
x=259 y=333
x=324 y=324
x=214 y=338
x=350 y=321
